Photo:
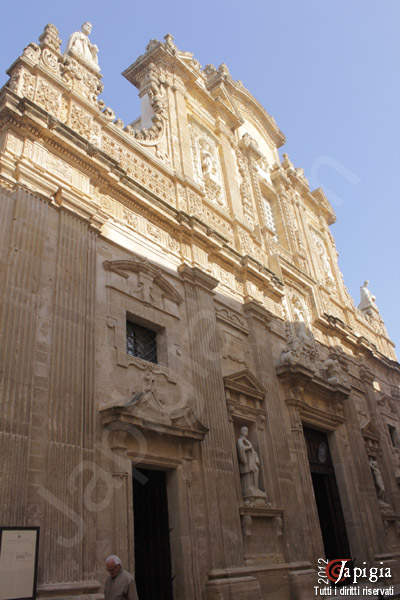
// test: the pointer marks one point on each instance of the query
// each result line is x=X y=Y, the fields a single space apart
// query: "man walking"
x=120 y=584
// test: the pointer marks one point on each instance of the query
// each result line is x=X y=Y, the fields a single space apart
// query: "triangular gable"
x=370 y=431
x=219 y=92
x=245 y=383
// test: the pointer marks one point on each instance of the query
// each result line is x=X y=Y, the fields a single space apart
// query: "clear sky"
x=327 y=70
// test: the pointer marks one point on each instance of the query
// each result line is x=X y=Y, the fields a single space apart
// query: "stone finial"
x=169 y=43
x=286 y=162
x=223 y=70
x=152 y=44
x=80 y=47
x=210 y=70
x=49 y=38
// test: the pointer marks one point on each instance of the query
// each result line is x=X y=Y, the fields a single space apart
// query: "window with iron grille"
x=141 y=342
x=269 y=216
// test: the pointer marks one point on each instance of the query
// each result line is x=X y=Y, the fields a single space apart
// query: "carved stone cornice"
x=254 y=309
x=197 y=277
x=317 y=402
x=306 y=376
x=251 y=267
x=317 y=387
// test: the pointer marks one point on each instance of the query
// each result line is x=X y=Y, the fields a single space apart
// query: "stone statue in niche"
x=206 y=159
x=80 y=46
x=324 y=260
x=301 y=323
x=379 y=484
x=367 y=300
x=249 y=467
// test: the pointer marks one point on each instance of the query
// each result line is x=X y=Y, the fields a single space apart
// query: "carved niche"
x=245 y=403
x=245 y=397
x=325 y=267
x=207 y=167
x=262 y=524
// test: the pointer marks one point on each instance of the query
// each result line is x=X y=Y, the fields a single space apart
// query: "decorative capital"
x=196 y=276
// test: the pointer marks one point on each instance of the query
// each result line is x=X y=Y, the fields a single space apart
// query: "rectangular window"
x=269 y=218
x=141 y=342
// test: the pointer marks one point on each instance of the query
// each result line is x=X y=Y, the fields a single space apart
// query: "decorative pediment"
x=154 y=407
x=244 y=397
x=245 y=383
x=301 y=363
x=178 y=423
x=220 y=93
x=141 y=265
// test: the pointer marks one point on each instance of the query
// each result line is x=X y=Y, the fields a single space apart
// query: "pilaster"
x=224 y=533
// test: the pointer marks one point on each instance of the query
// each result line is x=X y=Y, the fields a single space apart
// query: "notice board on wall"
x=18 y=562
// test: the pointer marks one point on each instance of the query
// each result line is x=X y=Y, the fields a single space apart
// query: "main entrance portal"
x=326 y=495
x=152 y=548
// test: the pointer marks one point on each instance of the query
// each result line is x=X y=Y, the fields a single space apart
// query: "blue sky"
x=328 y=71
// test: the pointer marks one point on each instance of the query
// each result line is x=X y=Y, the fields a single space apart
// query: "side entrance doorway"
x=327 y=497
x=152 y=544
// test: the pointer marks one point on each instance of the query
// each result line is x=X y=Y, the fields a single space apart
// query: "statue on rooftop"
x=80 y=46
x=367 y=300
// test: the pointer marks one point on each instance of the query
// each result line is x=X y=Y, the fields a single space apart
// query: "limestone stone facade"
x=185 y=224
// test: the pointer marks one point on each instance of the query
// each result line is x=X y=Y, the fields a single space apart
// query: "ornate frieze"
x=205 y=213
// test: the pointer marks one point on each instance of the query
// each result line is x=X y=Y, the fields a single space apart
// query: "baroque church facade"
x=185 y=380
